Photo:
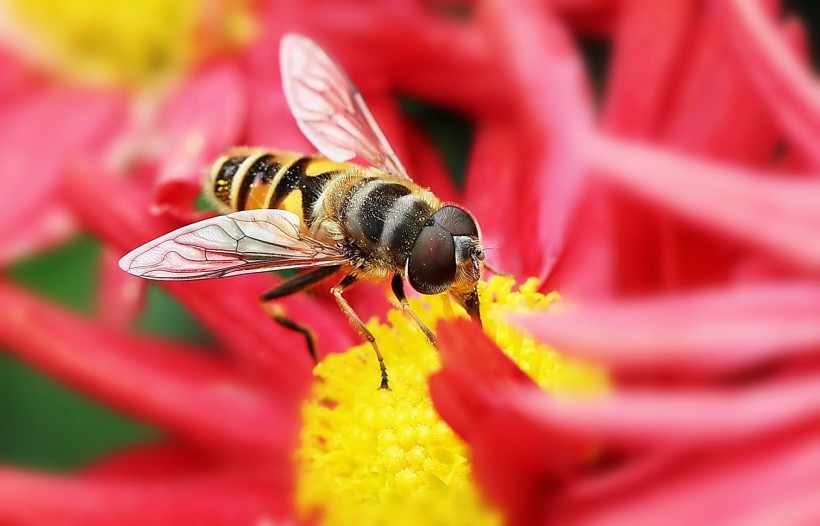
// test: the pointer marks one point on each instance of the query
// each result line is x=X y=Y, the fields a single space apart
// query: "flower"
x=707 y=319
x=115 y=97
x=676 y=221
x=365 y=456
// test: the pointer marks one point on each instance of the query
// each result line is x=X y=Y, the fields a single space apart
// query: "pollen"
x=378 y=457
x=124 y=42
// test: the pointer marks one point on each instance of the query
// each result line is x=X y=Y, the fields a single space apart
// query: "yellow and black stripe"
x=384 y=216
x=379 y=214
x=247 y=179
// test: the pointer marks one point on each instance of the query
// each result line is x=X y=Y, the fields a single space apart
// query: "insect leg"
x=299 y=283
x=295 y=284
x=277 y=313
x=496 y=272
x=397 y=284
x=357 y=323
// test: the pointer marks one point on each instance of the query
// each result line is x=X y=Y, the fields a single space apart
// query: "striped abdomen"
x=247 y=179
x=377 y=214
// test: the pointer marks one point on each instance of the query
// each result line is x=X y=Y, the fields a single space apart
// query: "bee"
x=320 y=212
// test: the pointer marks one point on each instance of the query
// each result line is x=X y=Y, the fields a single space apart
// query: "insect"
x=288 y=211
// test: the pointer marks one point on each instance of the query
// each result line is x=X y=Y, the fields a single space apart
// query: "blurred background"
x=140 y=52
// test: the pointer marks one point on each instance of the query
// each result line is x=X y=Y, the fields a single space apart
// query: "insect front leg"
x=291 y=286
x=496 y=271
x=349 y=280
x=397 y=284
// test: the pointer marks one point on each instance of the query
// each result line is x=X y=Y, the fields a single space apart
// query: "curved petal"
x=495 y=177
x=786 y=85
x=639 y=86
x=706 y=333
x=33 y=498
x=721 y=486
x=716 y=112
x=508 y=454
x=197 y=123
x=121 y=296
x=157 y=461
x=641 y=83
x=541 y=58
x=33 y=213
x=685 y=419
x=733 y=200
x=189 y=395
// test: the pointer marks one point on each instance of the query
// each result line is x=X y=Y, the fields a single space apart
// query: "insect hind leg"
x=277 y=313
x=291 y=286
x=299 y=283
x=357 y=323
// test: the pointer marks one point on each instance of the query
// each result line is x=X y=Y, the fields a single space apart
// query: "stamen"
x=371 y=456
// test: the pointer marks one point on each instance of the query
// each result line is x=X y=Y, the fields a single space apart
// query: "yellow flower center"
x=125 y=41
x=376 y=457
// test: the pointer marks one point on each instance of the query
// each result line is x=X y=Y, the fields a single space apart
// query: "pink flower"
x=677 y=220
x=711 y=418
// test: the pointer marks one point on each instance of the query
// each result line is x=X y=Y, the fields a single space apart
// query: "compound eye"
x=456 y=220
x=431 y=268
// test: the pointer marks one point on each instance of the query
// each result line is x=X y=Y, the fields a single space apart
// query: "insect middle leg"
x=291 y=286
x=397 y=284
x=346 y=282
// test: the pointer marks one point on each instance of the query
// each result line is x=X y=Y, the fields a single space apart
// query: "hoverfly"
x=289 y=211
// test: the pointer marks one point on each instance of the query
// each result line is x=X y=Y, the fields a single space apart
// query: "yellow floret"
x=376 y=457
x=125 y=41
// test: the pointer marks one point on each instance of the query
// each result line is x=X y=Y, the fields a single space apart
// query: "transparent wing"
x=238 y=243
x=329 y=109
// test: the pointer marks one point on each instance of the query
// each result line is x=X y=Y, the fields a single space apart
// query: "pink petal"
x=636 y=420
x=121 y=295
x=716 y=332
x=728 y=199
x=534 y=455
x=786 y=84
x=587 y=271
x=515 y=470
x=18 y=80
x=162 y=460
x=198 y=123
x=715 y=112
x=460 y=79
x=650 y=43
x=508 y=458
x=428 y=167
x=33 y=214
x=495 y=176
x=465 y=346
x=269 y=121
x=189 y=395
x=650 y=47
x=589 y=16
x=32 y=498
x=509 y=461
x=802 y=507
x=412 y=147
x=36 y=231
x=553 y=129
x=722 y=486
x=467 y=354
